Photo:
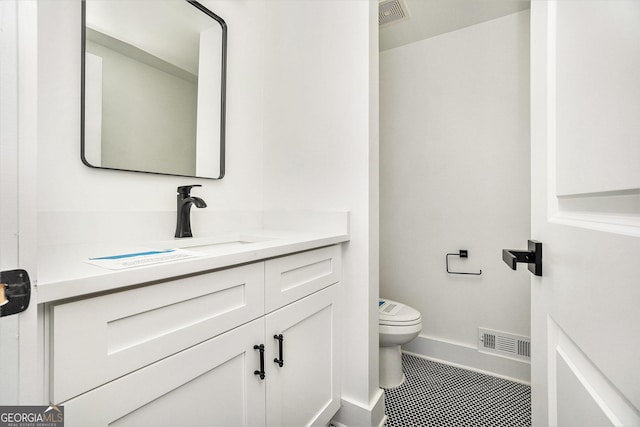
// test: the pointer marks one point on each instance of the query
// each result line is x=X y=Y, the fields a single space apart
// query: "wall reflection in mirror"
x=153 y=87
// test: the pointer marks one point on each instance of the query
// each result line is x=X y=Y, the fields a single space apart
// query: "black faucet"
x=185 y=200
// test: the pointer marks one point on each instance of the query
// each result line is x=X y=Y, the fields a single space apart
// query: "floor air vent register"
x=504 y=344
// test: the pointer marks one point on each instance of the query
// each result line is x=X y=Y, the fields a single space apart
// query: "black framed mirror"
x=153 y=87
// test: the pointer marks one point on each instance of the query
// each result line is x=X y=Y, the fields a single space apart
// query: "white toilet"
x=398 y=324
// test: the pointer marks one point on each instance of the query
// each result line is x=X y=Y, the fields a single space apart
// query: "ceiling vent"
x=392 y=11
x=504 y=344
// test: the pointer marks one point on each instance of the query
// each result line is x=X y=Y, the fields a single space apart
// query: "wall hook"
x=462 y=254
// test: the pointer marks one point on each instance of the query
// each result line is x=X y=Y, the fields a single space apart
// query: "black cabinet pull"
x=261 y=371
x=280 y=360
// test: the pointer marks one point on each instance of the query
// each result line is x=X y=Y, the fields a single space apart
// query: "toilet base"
x=390 y=371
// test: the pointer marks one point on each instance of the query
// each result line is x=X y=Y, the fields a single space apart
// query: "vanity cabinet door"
x=211 y=384
x=96 y=340
x=306 y=389
x=292 y=277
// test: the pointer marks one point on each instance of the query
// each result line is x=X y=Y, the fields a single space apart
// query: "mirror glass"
x=153 y=87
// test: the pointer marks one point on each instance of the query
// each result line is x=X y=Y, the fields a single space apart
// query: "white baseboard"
x=352 y=414
x=469 y=357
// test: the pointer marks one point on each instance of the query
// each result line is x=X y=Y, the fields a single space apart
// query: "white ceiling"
x=429 y=18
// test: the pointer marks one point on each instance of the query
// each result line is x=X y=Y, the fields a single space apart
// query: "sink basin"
x=210 y=242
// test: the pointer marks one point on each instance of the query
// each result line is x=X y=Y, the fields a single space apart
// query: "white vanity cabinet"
x=305 y=390
x=95 y=340
x=211 y=384
x=181 y=352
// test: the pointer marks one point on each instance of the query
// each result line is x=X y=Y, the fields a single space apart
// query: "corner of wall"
x=468 y=357
x=352 y=413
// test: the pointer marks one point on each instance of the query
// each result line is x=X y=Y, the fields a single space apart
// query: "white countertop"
x=63 y=272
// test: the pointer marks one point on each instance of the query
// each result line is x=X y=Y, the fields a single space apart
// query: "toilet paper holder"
x=463 y=253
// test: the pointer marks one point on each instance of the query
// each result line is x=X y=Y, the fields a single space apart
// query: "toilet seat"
x=393 y=313
x=401 y=324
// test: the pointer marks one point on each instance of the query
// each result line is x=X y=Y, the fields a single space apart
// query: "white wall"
x=454 y=172
x=302 y=135
x=65 y=184
x=321 y=137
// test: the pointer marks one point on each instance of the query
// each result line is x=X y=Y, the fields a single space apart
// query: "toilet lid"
x=395 y=313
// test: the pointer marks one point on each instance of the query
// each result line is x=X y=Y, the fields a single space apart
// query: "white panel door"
x=305 y=390
x=585 y=93
x=8 y=193
x=20 y=372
